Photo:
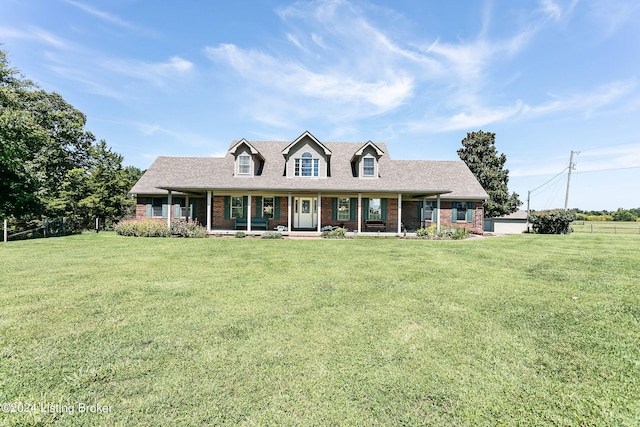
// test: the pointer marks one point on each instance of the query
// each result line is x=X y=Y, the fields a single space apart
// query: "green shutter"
x=420 y=218
x=176 y=208
x=276 y=208
x=383 y=208
x=365 y=208
x=334 y=208
x=353 y=207
x=454 y=212
x=469 y=212
x=245 y=203
x=149 y=207
x=227 y=207
x=258 y=210
x=165 y=207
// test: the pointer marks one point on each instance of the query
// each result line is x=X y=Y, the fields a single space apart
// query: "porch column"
x=319 y=212
x=289 y=212
x=359 y=212
x=399 y=213
x=438 y=214
x=169 y=209
x=186 y=206
x=249 y=212
x=209 y=211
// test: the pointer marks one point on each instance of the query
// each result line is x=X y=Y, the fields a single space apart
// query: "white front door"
x=304 y=212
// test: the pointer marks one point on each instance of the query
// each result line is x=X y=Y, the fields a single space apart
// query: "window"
x=368 y=168
x=236 y=207
x=267 y=207
x=343 y=209
x=244 y=165
x=428 y=211
x=157 y=207
x=461 y=211
x=375 y=209
x=306 y=166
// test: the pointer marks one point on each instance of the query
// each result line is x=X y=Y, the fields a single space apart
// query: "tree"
x=623 y=215
x=49 y=164
x=480 y=155
x=42 y=138
x=108 y=185
x=18 y=135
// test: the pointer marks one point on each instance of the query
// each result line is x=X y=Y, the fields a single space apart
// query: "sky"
x=168 y=78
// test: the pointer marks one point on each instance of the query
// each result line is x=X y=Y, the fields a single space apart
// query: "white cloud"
x=550 y=8
x=157 y=73
x=101 y=14
x=33 y=33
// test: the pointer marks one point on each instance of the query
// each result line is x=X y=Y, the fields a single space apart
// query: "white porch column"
x=208 y=211
x=169 y=209
x=438 y=213
x=249 y=212
x=359 y=212
x=289 y=212
x=319 y=212
x=399 y=213
x=186 y=206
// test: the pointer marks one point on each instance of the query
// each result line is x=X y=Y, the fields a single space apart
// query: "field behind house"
x=608 y=227
x=528 y=330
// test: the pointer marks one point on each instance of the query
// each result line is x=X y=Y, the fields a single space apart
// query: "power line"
x=606 y=170
x=559 y=173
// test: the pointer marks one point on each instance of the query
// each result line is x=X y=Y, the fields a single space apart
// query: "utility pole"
x=571 y=167
x=528 y=200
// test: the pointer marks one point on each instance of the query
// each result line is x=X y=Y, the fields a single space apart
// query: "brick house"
x=309 y=185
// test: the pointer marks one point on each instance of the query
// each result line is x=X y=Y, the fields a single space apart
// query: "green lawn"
x=515 y=330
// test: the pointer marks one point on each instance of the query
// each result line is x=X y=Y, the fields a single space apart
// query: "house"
x=513 y=223
x=310 y=185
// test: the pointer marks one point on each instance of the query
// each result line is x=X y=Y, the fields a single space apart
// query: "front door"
x=304 y=213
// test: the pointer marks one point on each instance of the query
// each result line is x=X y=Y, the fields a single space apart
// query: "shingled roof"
x=452 y=179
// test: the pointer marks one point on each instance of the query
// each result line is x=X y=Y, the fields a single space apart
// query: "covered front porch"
x=306 y=212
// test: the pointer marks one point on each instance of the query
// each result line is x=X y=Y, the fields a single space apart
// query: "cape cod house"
x=310 y=185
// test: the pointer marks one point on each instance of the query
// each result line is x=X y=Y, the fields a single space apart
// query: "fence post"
x=6 y=234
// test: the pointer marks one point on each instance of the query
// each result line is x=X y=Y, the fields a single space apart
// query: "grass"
x=610 y=227
x=517 y=330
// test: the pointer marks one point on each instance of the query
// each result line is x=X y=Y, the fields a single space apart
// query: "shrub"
x=336 y=233
x=155 y=228
x=240 y=234
x=556 y=221
x=189 y=228
x=271 y=235
x=452 y=233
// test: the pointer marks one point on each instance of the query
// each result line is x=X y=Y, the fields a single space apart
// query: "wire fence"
x=608 y=227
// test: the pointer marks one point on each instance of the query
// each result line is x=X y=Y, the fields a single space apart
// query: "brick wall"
x=141 y=207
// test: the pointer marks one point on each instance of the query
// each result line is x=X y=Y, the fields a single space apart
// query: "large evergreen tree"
x=480 y=154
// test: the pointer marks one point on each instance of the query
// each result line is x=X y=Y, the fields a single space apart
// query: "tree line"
x=50 y=165
x=617 y=215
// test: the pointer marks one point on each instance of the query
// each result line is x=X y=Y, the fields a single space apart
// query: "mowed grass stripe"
x=514 y=330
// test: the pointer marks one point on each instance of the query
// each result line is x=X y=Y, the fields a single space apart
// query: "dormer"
x=306 y=157
x=364 y=163
x=248 y=160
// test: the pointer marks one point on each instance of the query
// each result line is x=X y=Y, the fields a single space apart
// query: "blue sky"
x=186 y=78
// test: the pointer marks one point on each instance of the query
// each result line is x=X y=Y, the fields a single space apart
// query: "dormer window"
x=244 y=164
x=306 y=165
x=368 y=166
